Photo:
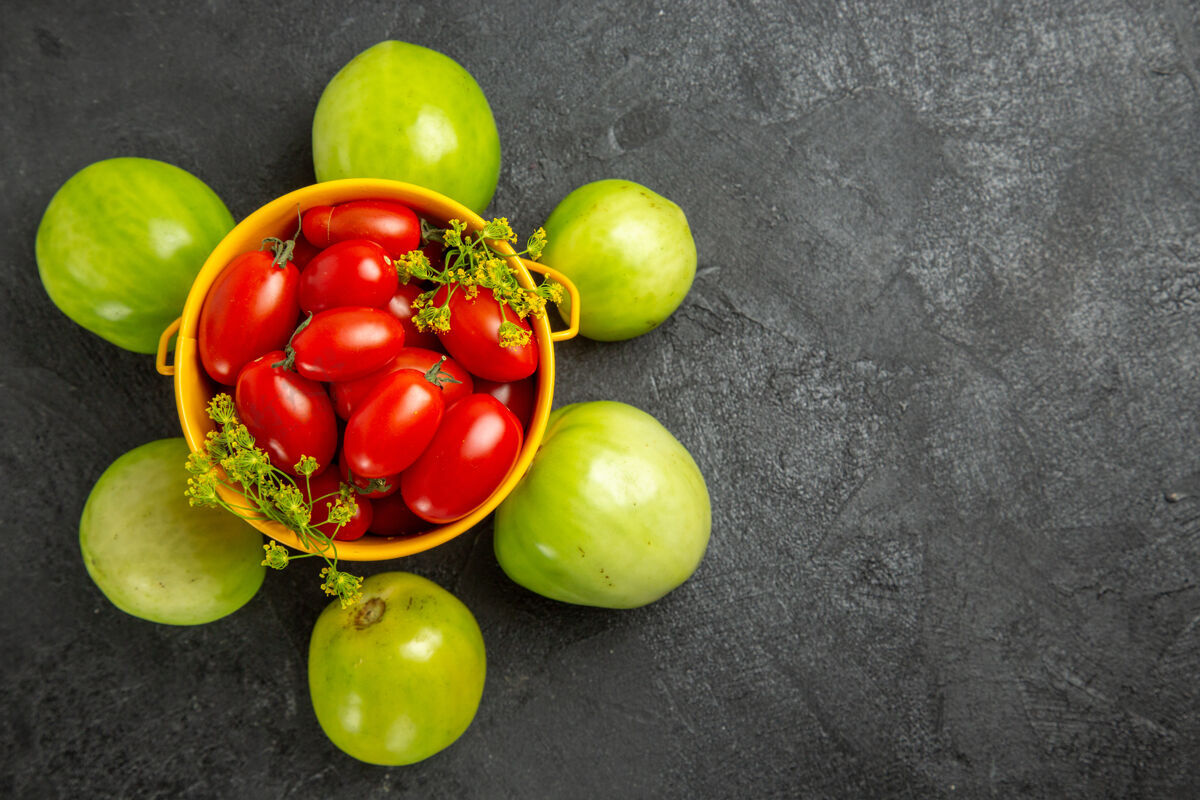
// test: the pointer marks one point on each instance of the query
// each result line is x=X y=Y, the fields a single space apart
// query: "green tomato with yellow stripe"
x=155 y=556
x=613 y=512
x=407 y=113
x=629 y=252
x=398 y=675
x=121 y=242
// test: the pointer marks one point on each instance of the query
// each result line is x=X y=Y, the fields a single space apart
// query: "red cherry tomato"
x=250 y=308
x=401 y=307
x=351 y=273
x=348 y=394
x=322 y=490
x=470 y=455
x=391 y=225
x=392 y=425
x=303 y=252
x=394 y=518
x=342 y=344
x=474 y=337
x=517 y=396
x=288 y=415
x=435 y=252
x=370 y=488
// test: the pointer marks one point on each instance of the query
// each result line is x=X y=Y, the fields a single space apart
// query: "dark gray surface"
x=939 y=366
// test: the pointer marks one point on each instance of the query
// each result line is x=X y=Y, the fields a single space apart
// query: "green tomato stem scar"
x=369 y=612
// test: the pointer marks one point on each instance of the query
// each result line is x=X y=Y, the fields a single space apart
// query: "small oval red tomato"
x=391 y=225
x=470 y=455
x=517 y=396
x=250 y=308
x=348 y=394
x=351 y=273
x=288 y=415
x=435 y=252
x=303 y=252
x=474 y=337
x=342 y=344
x=370 y=488
x=394 y=518
x=322 y=490
x=392 y=425
x=401 y=307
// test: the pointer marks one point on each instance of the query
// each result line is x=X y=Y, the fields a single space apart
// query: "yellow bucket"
x=193 y=387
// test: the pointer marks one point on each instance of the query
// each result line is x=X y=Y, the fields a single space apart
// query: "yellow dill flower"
x=452 y=236
x=434 y=318
x=247 y=464
x=221 y=410
x=199 y=463
x=306 y=466
x=277 y=556
x=240 y=437
x=290 y=502
x=536 y=243
x=342 y=509
x=513 y=335
x=423 y=299
x=533 y=304
x=499 y=229
x=413 y=264
x=202 y=491
x=342 y=585
x=519 y=302
x=497 y=272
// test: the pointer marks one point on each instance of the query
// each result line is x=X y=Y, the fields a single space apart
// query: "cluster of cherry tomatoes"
x=316 y=338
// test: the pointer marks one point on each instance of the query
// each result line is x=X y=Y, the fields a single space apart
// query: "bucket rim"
x=193 y=387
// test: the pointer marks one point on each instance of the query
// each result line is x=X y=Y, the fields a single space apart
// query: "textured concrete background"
x=940 y=365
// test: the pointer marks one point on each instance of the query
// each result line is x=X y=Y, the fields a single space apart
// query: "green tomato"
x=397 y=676
x=407 y=113
x=613 y=512
x=628 y=250
x=156 y=557
x=121 y=243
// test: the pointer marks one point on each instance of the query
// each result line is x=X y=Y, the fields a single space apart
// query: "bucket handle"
x=160 y=360
x=572 y=328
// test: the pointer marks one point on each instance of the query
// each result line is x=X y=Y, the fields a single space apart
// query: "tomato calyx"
x=370 y=486
x=289 y=352
x=283 y=249
x=438 y=376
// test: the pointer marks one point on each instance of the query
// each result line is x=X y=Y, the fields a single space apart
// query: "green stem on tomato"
x=289 y=352
x=438 y=376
